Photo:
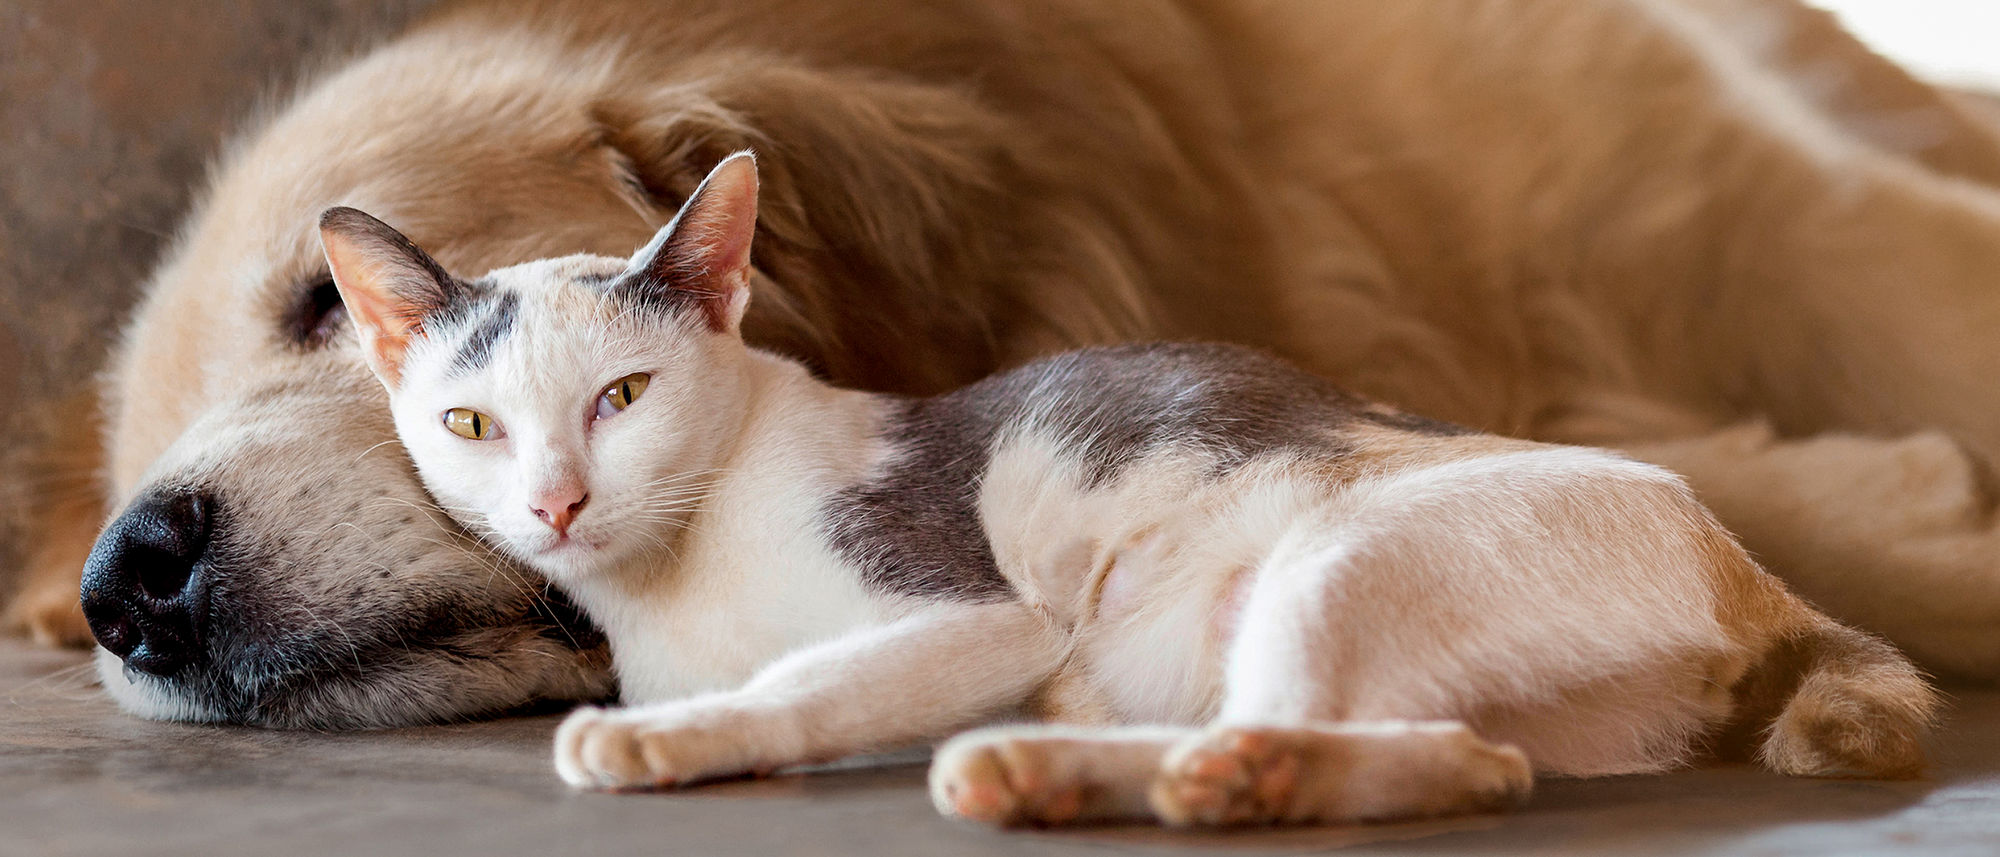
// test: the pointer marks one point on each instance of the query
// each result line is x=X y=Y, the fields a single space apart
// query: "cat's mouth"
x=567 y=544
x=548 y=546
x=560 y=541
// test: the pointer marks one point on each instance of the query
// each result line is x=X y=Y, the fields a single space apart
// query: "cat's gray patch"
x=491 y=322
x=914 y=528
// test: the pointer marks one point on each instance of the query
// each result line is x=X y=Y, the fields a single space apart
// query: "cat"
x=1232 y=592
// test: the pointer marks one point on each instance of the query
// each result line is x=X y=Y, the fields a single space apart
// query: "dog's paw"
x=600 y=748
x=51 y=616
x=1264 y=775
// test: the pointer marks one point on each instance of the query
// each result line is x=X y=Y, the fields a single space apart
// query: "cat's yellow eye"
x=621 y=394
x=471 y=425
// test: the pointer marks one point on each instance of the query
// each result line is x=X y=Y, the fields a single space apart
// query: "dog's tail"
x=1827 y=700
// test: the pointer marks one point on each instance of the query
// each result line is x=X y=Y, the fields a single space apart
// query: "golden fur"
x=1621 y=223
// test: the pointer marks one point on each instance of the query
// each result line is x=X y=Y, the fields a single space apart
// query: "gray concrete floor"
x=77 y=777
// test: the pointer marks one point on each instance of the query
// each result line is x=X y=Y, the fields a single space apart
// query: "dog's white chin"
x=141 y=695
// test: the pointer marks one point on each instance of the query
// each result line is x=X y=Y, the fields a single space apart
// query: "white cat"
x=1246 y=595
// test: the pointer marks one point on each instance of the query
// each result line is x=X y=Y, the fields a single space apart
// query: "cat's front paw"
x=621 y=749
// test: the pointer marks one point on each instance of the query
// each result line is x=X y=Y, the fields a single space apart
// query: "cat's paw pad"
x=1009 y=780
x=605 y=749
x=1230 y=776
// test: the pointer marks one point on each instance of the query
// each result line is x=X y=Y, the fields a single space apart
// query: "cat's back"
x=1112 y=405
x=915 y=525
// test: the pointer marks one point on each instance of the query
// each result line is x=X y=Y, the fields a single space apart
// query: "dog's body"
x=1607 y=222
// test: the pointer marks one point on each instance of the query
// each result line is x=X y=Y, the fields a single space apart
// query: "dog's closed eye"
x=317 y=314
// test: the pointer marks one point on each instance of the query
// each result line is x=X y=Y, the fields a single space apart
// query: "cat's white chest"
x=752 y=586
x=695 y=647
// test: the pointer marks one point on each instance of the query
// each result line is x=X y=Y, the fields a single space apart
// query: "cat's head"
x=572 y=410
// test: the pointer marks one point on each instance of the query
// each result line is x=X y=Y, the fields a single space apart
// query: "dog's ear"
x=881 y=185
x=702 y=257
x=388 y=283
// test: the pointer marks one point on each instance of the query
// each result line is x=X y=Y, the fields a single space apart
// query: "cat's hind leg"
x=1228 y=775
x=1387 y=651
x=1336 y=773
x=1051 y=775
x=1284 y=747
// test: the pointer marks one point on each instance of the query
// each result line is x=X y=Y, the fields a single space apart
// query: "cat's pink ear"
x=388 y=284
x=702 y=258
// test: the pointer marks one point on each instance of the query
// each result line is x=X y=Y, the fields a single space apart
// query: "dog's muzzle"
x=144 y=590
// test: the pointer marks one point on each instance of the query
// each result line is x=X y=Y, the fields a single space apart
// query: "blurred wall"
x=109 y=110
x=1949 y=41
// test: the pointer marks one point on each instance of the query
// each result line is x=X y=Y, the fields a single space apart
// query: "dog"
x=1681 y=228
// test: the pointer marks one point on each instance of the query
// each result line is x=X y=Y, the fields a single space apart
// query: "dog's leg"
x=1647 y=203
x=1854 y=283
x=1865 y=93
x=1896 y=535
x=912 y=680
x=1704 y=234
x=1875 y=308
x=60 y=508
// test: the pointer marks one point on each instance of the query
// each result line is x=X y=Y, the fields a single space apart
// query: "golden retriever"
x=1623 y=223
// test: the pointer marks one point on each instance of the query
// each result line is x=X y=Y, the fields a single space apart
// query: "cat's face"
x=570 y=410
x=580 y=432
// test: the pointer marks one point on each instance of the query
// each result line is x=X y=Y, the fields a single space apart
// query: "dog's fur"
x=1634 y=223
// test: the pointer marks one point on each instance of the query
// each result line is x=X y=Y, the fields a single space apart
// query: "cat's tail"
x=1827 y=700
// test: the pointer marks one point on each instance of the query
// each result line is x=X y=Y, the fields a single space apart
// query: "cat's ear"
x=702 y=258
x=388 y=284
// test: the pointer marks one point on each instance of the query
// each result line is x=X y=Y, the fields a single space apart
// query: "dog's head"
x=278 y=566
x=271 y=558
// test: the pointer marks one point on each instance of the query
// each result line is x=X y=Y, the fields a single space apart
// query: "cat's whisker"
x=493 y=566
x=427 y=508
x=364 y=453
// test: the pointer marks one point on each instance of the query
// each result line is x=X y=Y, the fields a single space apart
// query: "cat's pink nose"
x=559 y=508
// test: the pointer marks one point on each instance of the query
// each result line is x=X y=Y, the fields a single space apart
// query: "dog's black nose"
x=143 y=591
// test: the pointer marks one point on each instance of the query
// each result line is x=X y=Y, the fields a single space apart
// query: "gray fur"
x=914 y=528
x=491 y=321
